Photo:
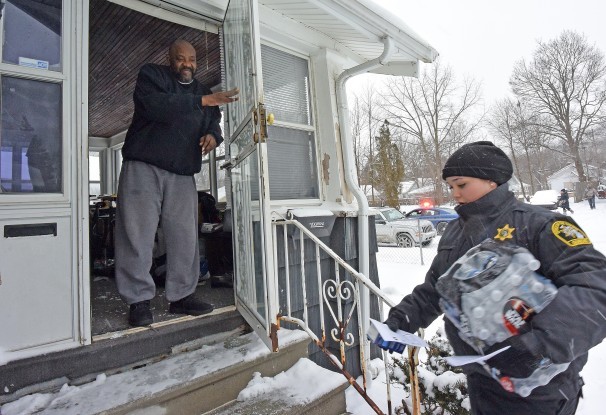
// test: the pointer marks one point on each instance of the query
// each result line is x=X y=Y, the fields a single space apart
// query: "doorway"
x=121 y=41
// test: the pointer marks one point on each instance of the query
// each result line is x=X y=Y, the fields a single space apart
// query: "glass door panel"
x=251 y=288
x=241 y=67
x=30 y=136
x=255 y=292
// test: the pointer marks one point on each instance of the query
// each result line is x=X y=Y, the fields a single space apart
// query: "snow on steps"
x=304 y=389
x=239 y=374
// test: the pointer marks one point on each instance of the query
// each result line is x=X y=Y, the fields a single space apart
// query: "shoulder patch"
x=570 y=234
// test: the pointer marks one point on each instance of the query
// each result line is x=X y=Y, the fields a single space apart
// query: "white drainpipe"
x=352 y=180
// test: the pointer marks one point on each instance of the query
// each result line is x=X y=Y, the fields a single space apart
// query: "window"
x=30 y=136
x=32 y=33
x=94 y=173
x=293 y=172
x=31 y=130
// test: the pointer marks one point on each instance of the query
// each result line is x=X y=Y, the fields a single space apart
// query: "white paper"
x=465 y=360
x=399 y=337
x=33 y=63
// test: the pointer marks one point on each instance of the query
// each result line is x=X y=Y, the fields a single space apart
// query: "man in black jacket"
x=564 y=201
x=176 y=121
x=539 y=373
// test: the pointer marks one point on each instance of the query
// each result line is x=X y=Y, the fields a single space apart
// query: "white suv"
x=395 y=228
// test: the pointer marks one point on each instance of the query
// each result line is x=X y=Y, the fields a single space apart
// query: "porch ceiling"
x=121 y=40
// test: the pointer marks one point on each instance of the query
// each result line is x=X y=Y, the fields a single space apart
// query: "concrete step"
x=193 y=379
x=224 y=381
x=114 y=353
x=305 y=389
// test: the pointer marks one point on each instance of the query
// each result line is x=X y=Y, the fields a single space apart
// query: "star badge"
x=504 y=233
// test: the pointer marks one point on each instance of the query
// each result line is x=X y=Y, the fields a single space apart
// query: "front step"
x=226 y=377
x=304 y=389
x=114 y=353
x=196 y=382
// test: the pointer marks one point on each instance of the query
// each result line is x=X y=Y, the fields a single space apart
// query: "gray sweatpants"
x=148 y=196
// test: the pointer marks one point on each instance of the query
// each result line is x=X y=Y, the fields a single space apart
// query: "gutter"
x=352 y=180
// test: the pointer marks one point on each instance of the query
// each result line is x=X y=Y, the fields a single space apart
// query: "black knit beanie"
x=481 y=159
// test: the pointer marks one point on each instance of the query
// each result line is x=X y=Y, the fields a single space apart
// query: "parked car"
x=545 y=198
x=439 y=216
x=393 y=227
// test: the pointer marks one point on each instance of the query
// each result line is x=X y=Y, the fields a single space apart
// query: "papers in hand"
x=386 y=339
x=465 y=360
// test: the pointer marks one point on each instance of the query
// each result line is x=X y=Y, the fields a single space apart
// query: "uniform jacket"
x=570 y=325
x=169 y=121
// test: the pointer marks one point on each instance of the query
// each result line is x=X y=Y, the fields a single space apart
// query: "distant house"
x=407 y=186
x=410 y=191
x=515 y=185
x=374 y=196
x=567 y=176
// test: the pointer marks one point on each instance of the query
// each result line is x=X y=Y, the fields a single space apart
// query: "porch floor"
x=110 y=313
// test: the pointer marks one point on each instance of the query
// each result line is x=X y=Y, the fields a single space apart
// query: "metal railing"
x=341 y=298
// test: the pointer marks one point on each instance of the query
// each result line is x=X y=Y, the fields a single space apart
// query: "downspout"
x=352 y=181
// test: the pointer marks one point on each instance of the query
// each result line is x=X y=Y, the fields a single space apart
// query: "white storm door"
x=255 y=286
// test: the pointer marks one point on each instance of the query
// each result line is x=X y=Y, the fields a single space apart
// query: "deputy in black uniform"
x=562 y=334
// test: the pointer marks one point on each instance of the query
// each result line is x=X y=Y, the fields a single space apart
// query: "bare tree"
x=565 y=81
x=364 y=122
x=369 y=107
x=432 y=111
x=520 y=131
x=360 y=147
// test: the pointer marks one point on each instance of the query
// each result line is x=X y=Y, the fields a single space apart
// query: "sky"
x=484 y=39
x=124 y=387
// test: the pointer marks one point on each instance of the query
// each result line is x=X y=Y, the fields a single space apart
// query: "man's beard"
x=185 y=76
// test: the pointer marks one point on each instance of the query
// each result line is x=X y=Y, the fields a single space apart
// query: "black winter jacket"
x=569 y=326
x=169 y=121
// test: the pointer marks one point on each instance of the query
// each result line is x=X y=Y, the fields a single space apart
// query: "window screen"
x=286 y=86
x=291 y=142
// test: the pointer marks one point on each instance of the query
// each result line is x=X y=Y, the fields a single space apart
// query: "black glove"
x=517 y=361
x=393 y=323
x=398 y=319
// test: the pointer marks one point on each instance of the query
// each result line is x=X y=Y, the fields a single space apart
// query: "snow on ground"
x=398 y=277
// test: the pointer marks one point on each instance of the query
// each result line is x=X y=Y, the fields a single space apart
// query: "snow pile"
x=297 y=383
x=442 y=382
